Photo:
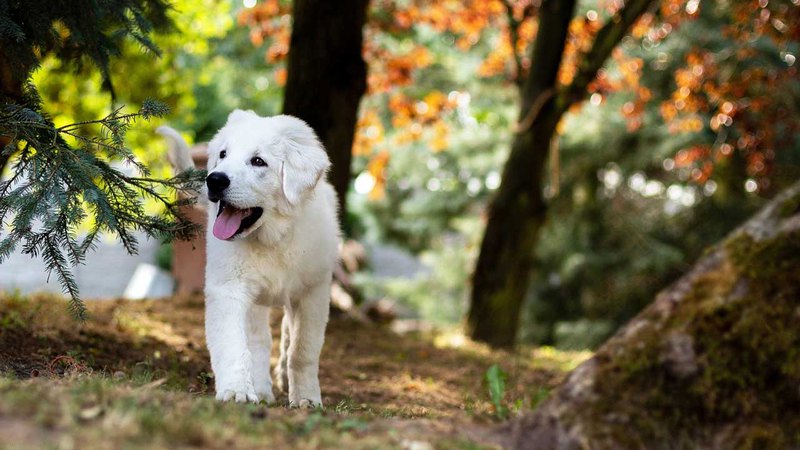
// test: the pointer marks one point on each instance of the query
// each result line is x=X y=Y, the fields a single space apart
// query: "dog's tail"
x=179 y=155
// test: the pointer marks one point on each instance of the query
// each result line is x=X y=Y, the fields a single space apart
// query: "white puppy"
x=272 y=240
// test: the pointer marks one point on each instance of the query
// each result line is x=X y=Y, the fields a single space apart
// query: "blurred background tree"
x=426 y=162
x=428 y=198
x=326 y=77
x=689 y=125
x=652 y=173
x=516 y=213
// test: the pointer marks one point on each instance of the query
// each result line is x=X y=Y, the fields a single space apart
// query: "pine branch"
x=55 y=187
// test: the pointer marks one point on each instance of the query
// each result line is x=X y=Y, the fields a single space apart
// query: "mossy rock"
x=714 y=362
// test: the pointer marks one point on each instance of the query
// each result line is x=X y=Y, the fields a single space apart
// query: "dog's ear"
x=239 y=115
x=305 y=160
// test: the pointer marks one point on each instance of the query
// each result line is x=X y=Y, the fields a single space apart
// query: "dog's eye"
x=222 y=154
x=258 y=162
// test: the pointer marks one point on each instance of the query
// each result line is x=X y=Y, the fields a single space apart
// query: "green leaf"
x=496 y=380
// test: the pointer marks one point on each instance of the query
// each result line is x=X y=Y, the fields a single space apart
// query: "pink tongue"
x=228 y=222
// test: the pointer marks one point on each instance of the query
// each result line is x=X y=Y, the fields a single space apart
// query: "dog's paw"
x=228 y=395
x=237 y=391
x=305 y=403
x=235 y=383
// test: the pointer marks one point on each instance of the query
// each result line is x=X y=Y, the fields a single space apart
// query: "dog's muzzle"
x=217 y=182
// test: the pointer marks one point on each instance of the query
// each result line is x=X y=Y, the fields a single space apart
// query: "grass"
x=93 y=411
x=136 y=375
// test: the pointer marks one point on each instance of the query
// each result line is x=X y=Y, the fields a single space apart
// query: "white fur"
x=285 y=259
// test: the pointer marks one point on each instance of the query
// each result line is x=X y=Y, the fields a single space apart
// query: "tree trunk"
x=712 y=363
x=516 y=214
x=10 y=90
x=517 y=211
x=327 y=77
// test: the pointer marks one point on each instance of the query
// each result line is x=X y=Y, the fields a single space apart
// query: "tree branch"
x=513 y=37
x=533 y=112
x=604 y=43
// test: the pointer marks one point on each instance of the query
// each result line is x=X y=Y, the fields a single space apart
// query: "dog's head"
x=260 y=164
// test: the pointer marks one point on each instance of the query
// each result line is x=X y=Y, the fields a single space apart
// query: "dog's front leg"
x=308 y=317
x=259 y=341
x=227 y=308
x=282 y=369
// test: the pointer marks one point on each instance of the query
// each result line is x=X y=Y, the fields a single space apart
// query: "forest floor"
x=136 y=375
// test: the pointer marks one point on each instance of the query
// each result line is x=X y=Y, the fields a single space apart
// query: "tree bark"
x=518 y=211
x=327 y=77
x=10 y=90
x=712 y=363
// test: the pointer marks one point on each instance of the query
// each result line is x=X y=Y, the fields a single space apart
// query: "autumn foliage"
x=728 y=94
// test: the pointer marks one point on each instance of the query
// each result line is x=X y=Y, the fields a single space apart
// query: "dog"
x=272 y=241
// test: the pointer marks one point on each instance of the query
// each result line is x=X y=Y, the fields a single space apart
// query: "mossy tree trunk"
x=518 y=210
x=327 y=76
x=714 y=362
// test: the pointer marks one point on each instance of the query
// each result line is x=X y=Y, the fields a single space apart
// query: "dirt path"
x=400 y=384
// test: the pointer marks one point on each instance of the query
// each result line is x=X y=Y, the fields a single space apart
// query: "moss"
x=789 y=206
x=742 y=319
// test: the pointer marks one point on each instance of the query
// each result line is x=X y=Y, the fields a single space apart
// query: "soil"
x=366 y=369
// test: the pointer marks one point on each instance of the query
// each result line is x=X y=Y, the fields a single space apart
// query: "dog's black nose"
x=217 y=182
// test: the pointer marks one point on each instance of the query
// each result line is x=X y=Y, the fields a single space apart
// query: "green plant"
x=347 y=406
x=496 y=379
x=539 y=396
x=314 y=420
